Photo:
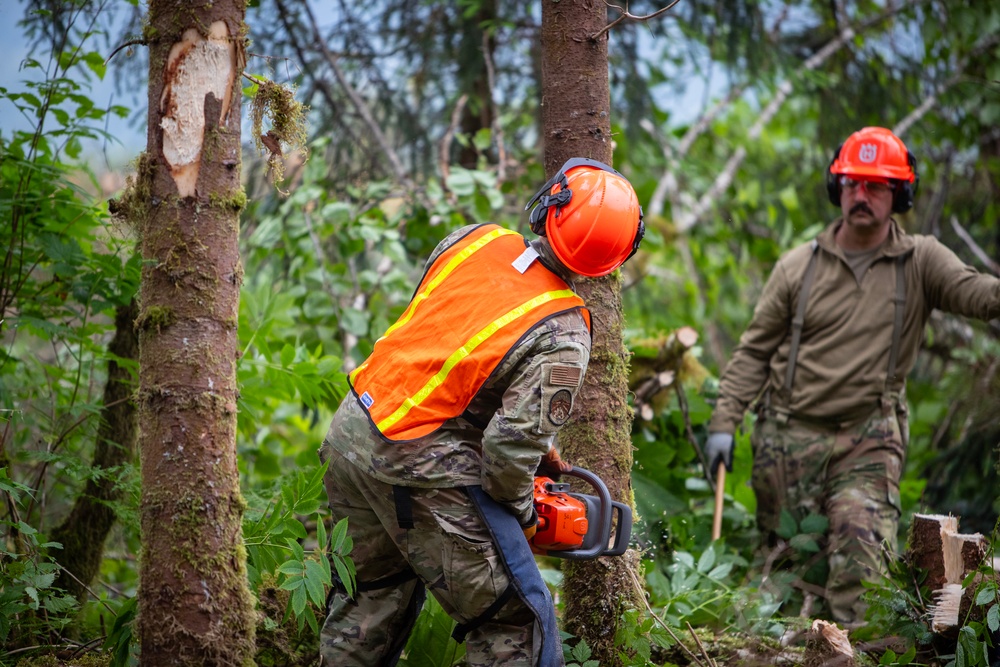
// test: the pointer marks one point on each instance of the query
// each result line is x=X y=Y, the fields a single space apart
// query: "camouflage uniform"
x=497 y=443
x=851 y=476
x=833 y=442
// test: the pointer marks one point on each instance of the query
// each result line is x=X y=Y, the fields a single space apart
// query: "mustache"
x=862 y=207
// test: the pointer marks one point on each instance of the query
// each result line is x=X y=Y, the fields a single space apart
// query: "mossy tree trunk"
x=195 y=607
x=576 y=123
x=86 y=528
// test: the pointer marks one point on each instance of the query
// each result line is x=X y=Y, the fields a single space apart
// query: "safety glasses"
x=872 y=187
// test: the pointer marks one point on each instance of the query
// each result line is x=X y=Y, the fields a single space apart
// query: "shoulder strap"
x=899 y=301
x=800 y=317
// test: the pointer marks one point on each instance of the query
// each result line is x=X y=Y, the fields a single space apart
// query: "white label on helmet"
x=868 y=152
x=524 y=261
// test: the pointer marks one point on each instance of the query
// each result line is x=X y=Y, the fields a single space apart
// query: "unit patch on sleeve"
x=565 y=376
x=560 y=405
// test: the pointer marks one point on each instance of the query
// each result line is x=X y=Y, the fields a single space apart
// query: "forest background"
x=422 y=117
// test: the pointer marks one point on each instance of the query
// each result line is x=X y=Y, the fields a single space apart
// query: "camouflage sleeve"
x=545 y=373
x=446 y=243
x=749 y=367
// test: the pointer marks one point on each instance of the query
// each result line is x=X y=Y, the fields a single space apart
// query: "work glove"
x=531 y=526
x=719 y=449
x=552 y=465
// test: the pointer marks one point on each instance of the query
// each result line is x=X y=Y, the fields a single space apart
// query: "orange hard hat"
x=874 y=152
x=591 y=216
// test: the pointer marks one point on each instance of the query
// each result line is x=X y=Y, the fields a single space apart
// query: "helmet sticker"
x=868 y=152
x=560 y=406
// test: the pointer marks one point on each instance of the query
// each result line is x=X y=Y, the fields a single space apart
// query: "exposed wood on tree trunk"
x=947 y=556
x=195 y=607
x=86 y=527
x=576 y=123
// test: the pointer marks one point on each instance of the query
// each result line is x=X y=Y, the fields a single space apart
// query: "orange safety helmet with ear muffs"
x=591 y=216
x=875 y=152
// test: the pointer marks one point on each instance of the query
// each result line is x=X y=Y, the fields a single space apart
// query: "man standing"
x=432 y=455
x=834 y=334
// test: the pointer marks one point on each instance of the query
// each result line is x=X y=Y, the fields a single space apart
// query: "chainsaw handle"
x=624 y=531
x=604 y=507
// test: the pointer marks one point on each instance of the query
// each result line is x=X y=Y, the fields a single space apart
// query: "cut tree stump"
x=948 y=557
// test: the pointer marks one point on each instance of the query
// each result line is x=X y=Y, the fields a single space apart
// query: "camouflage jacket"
x=508 y=426
x=843 y=357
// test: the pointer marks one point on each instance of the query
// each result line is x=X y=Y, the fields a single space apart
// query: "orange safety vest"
x=473 y=305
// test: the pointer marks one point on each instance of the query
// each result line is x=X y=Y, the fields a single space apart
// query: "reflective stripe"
x=445 y=272
x=467 y=349
x=448 y=269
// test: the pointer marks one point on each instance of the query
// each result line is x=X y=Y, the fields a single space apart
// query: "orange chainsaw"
x=577 y=526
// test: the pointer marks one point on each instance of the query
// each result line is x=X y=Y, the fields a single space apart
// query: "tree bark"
x=576 y=123
x=195 y=607
x=86 y=527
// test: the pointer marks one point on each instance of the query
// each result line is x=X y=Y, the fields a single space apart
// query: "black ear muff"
x=537 y=219
x=902 y=196
x=833 y=180
x=545 y=200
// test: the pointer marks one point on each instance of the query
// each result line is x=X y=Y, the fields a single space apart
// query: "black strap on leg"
x=389 y=581
x=463 y=629
x=404 y=506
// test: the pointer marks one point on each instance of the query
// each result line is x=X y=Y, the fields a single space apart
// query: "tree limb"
x=402 y=177
x=688 y=219
x=626 y=15
x=974 y=247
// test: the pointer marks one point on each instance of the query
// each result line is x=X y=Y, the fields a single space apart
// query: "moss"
x=132 y=208
x=158 y=317
x=235 y=201
x=288 y=124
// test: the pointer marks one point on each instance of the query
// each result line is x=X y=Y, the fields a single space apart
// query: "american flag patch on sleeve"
x=565 y=376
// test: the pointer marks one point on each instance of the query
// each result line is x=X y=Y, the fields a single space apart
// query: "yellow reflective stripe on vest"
x=467 y=349
x=445 y=272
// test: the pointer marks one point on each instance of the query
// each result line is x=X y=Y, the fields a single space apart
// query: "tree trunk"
x=575 y=120
x=195 y=607
x=86 y=527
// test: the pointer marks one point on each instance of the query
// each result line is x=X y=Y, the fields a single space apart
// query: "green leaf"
x=299 y=601
x=292 y=568
x=287 y=355
x=815 y=524
x=993 y=618
x=337 y=535
x=985 y=596
x=706 y=561
x=345 y=573
x=315 y=579
x=786 y=525
x=95 y=62
x=293 y=584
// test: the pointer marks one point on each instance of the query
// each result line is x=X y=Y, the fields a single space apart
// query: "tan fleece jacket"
x=843 y=355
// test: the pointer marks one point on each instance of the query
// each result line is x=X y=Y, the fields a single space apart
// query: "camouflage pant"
x=851 y=476
x=451 y=552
